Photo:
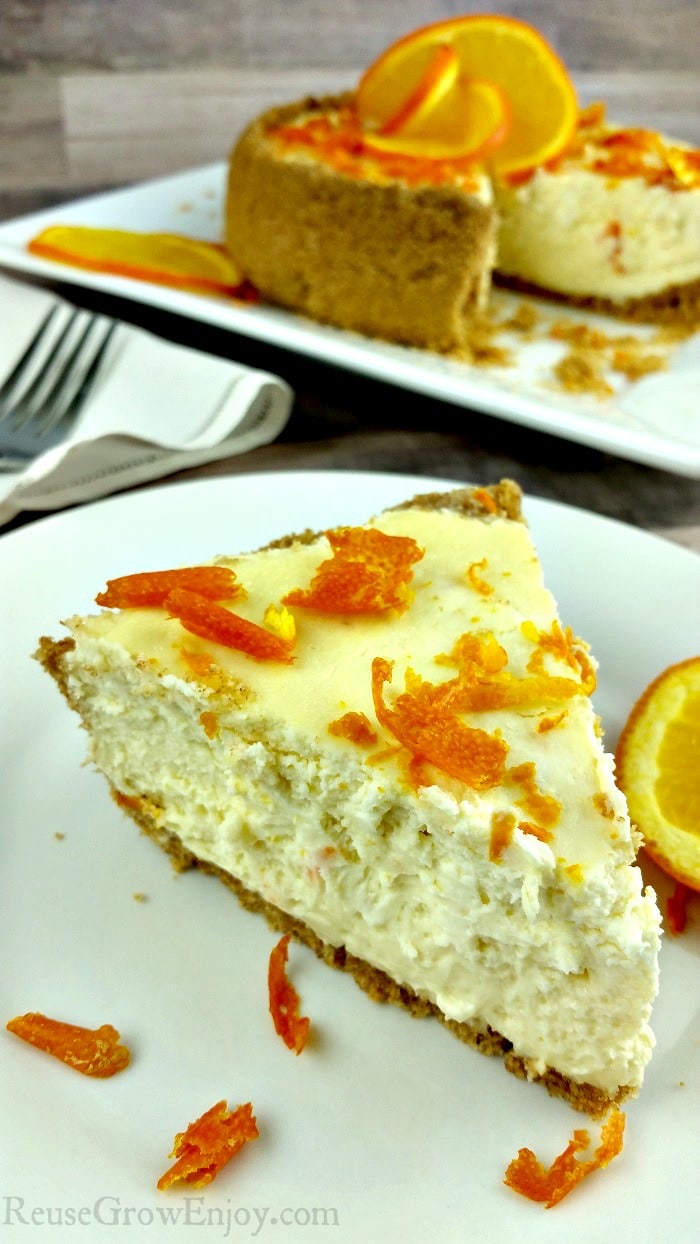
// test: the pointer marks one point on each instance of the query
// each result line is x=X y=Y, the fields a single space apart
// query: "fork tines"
x=54 y=375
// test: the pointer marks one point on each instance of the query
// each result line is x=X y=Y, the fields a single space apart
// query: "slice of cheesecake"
x=382 y=738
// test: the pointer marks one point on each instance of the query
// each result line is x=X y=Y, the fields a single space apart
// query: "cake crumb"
x=579 y=371
x=524 y=320
x=139 y=897
x=579 y=334
x=59 y=836
x=633 y=363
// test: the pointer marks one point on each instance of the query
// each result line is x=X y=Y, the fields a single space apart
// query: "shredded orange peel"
x=93 y=1052
x=209 y=1144
x=677 y=909
x=210 y=620
x=550 y=1185
x=152 y=587
x=356 y=727
x=292 y=1027
x=193 y=595
x=368 y=573
x=424 y=719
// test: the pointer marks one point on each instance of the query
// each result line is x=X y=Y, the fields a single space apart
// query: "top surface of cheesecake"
x=532 y=679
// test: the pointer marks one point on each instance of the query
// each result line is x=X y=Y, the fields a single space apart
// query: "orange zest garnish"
x=91 y=1051
x=208 y=1145
x=657 y=768
x=685 y=165
x=475 y=580
x=209 y=620
x=543 y=808
x=486 y=499
x=506 y=54
x=284 y=1000
x=163 y=258
x=677 y=909
x=151 y=588
x=531 y=1179
x=210 y=724
x=486 y=684
x=502 y=826
x=424 y=720
x=369 y=572
x=356 y=727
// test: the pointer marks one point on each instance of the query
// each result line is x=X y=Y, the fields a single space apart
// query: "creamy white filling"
x=578 y=232
x=564 y=970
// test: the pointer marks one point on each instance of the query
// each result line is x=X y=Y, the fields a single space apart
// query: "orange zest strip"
x=677 y=909
x=284 y=1000
x=424 y=720
x=91 y=1051
x=475 y=580
x=485 y=498
x=369 y=572
x=163 y=258
x=356 y=727
x=210 y=724
x=208 y=1145
x=531 y=1179
x=502 y=826
x=204 y=617
x=151 y=588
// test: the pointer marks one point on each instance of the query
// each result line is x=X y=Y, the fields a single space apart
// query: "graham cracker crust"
x=381 y=988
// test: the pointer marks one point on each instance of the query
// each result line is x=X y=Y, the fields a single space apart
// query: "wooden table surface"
x=69 y=130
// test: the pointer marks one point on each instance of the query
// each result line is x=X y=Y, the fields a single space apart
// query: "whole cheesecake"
x=406 y=248
x=382 y=738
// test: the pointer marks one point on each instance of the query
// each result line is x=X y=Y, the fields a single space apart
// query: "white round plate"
x=385 y=1129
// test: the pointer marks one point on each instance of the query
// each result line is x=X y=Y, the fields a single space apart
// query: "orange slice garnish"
x=439 y=79
x=657 y=766
x=468 y=120
x=508 y=54
x=164 y=258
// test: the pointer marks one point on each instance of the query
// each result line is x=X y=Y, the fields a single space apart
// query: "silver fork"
x=49 y=384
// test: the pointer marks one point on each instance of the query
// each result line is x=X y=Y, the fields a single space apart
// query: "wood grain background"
x=95 y=93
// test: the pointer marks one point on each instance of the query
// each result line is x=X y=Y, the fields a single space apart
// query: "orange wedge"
x=507 y=53
x=658 y=766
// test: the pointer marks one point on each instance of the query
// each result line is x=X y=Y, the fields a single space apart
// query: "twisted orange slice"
x=468 y=120
x=659 y=771
x=511 y=56
x=439 y=79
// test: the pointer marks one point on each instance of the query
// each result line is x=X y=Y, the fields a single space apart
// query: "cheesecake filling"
x=577 y=232
x=548 y=937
